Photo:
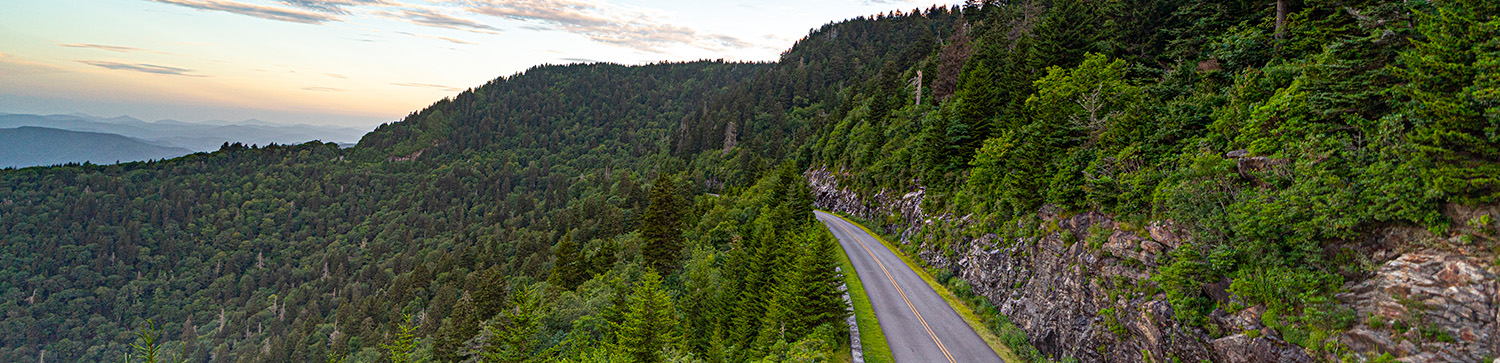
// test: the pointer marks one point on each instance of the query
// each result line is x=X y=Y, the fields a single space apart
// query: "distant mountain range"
x=31 y=146
x=78 y=137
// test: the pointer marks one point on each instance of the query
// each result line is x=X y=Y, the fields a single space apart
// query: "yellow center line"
x=899 y=291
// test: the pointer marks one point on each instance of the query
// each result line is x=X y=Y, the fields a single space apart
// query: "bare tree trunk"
x=1280 y=17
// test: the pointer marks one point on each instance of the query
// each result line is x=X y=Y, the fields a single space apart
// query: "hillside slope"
x=1112 y=180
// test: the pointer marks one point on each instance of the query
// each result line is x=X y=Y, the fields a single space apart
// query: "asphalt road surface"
x=918 y=324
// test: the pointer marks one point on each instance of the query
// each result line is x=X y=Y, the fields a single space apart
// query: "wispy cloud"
x=256 y=10
x=324 y=89
x=333 y=6
x=428 y=17
x=336 y=75
x=427 y=85
x=140 y=67
x=434 y=37
x=627 y=27
x=579 y=60
x=112 y=48
x=10 y=64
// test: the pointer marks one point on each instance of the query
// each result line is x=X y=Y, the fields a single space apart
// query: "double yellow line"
x=898 y=290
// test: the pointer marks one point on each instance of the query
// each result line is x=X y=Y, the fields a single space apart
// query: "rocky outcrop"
x=1079 y=290
x=1426 y=307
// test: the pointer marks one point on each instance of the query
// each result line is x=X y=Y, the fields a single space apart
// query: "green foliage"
x=150 y=344
x=514 y=339
x=1182 y=280
x=1454 y=97
x=649 y=325
x=568 y=264
x=1360 y=115
x=661 y=226
x=403 y=348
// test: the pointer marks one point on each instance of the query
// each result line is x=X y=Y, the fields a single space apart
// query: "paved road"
x=918 y=324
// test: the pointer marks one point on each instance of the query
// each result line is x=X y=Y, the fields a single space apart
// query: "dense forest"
x=564 y=214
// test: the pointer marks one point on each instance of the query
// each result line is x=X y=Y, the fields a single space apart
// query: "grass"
x=962 y=308
x=870 y=336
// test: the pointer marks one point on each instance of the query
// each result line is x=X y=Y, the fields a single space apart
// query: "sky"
x=356 y=62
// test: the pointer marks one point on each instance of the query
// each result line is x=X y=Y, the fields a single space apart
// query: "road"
x=919 y=325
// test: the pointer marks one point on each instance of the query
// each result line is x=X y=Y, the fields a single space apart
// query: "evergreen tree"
x=568 y=268
x=649 y=324
x=458 y=328
x=799 y=201
x=404 y=348
x=702 y=284
x=1069 y=30
x=490 y=294
x=1455 y=98
x=820 y=281
x=516 y=341
x=661 y=226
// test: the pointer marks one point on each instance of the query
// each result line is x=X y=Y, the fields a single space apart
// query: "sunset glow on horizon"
x=354 y=62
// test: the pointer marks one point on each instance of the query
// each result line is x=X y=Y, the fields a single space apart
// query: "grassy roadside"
x=959 y=305
x=870 y=336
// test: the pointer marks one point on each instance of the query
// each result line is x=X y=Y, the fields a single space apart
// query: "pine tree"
x=517 y=341
x=702 y=285
x=458 y=328
x=568 y=268
x=404 y=348
x=759 y=268
x=821 y=282
x=799 y=201
x=1454 y=98
x=490 y=293
x=649 y=324
x=1069 y=30
x=661 y=226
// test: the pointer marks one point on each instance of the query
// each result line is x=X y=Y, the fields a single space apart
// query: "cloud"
x=10 y=64
x=427 y=85
x=580 y=60
x=432 y=18
x=145 y=68
x=433 y=37
x=729 y=41
x=255 y=10
x=112 y=48
x=333 y=6
x=323 y=89
x=627 y=27
x=335 y=75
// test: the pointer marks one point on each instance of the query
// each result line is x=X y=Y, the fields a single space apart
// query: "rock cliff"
x=1083 y=288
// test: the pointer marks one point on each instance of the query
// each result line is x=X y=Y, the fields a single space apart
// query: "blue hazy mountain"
x=32 y=146
x=195 y=136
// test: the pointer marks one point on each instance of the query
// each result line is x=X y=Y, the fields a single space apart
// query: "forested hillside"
x=1295 y=147
x=1305 y=157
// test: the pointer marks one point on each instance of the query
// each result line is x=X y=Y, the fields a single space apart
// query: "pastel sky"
x=356 y=62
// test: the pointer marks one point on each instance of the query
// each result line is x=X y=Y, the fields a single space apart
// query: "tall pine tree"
x=661 y=226
x=649 y=324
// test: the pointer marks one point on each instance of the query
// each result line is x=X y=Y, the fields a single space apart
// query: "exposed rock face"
x=1083 y=302
x=1450 y=296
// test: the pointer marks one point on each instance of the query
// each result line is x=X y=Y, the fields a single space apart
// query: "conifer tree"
x=1069 y=30
x=661 y=226
x=820 y=281
x=799 y=201
x=404 y=348
x=568 y=268
x=516 y=341
x=489 y=294
x=1454 y=98
x=448 y=346
x=702 y=285
x=649 y=324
